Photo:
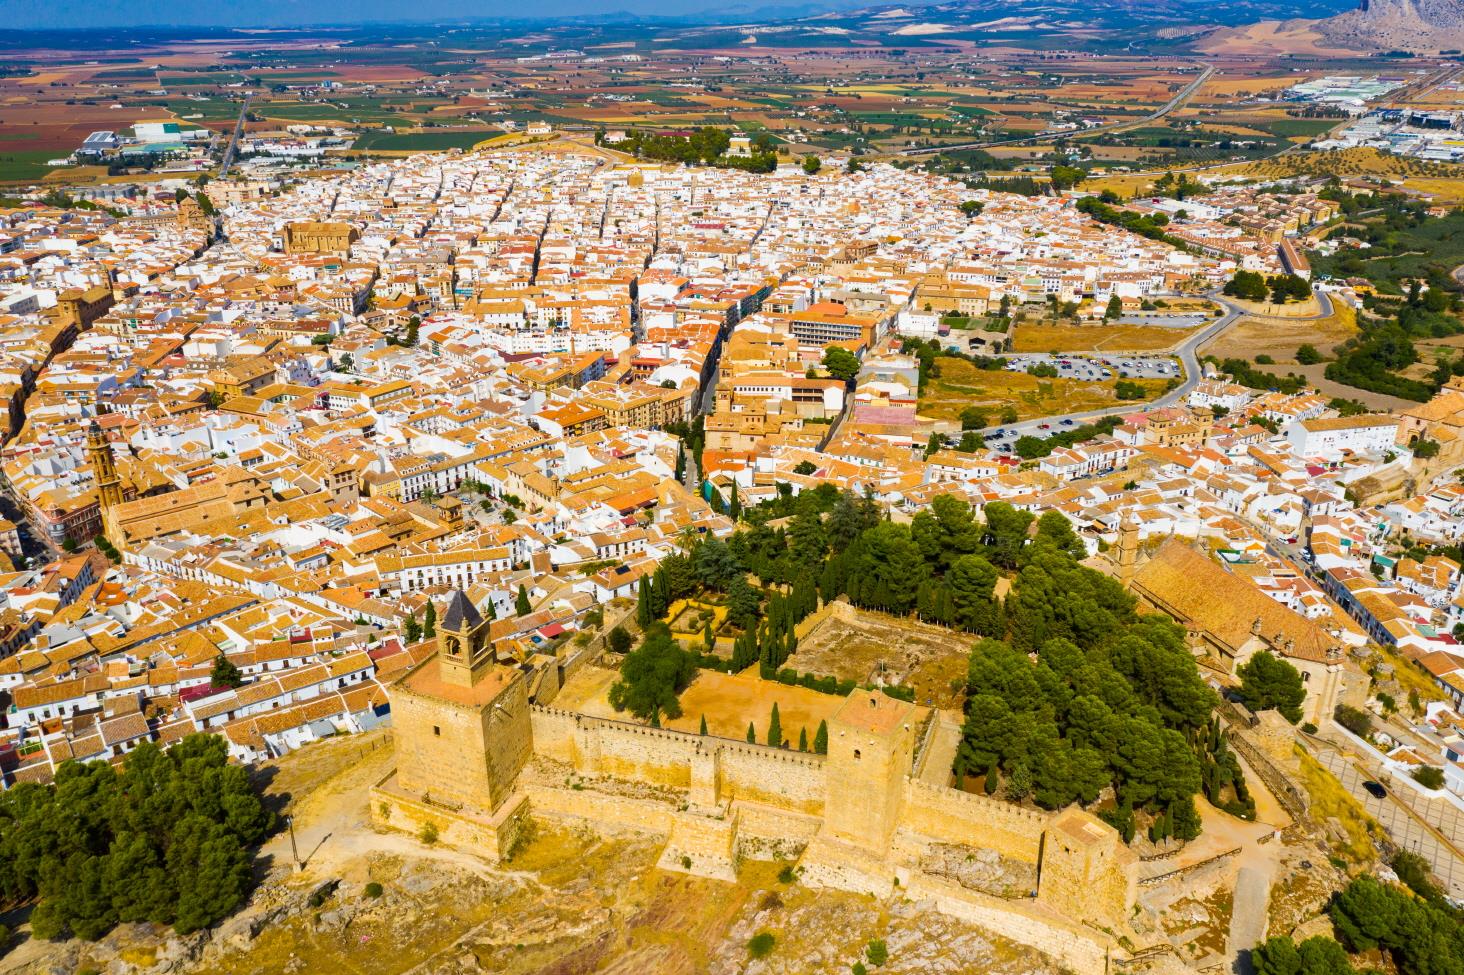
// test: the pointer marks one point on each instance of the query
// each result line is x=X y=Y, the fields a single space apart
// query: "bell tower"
x=464 y=651
x=460 y=719
x=1128 y=549
x=104 y=472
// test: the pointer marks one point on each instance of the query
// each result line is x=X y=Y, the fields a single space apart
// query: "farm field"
x=425 y=141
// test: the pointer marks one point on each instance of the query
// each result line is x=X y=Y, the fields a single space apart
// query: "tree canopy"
x=165 y=838
x=1267 y=681
x=653 y=675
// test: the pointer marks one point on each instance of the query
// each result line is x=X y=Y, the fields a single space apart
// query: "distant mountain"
x=1421 y=26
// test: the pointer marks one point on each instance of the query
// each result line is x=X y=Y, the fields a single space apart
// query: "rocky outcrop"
x=1422 y=26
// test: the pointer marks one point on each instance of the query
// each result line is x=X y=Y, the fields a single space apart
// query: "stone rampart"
x=1077 y=946
x=951 y=816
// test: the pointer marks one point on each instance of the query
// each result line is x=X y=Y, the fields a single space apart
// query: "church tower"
x=461 y=719
x=104 y=471
x=463 y=649
x=1128 y=549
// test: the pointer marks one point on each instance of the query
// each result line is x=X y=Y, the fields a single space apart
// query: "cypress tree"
x=521 y=604
x=734 y=510
x=803 y=739
x=751 y=734
x=703 y=725
x=821 y=738
x=775 y=728
x=990 y=785
x=643 y=602
x=429 y=621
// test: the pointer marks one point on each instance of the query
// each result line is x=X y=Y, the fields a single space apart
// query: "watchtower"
x=871 y=749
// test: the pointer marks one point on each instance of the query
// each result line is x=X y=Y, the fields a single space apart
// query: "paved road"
x=1179 y=99
x=1403 y=828
x=1248 y=912
x=1188 y=357
x=228 y=159
x=1188 y=353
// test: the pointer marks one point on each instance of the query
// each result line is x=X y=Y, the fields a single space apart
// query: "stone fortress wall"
x=858 y=818
x=725 y=801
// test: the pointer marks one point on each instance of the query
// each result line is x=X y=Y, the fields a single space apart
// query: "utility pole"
x=294 y=851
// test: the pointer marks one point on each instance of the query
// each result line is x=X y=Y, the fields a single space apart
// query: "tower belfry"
x=1128 y=549
x=464 y=651
x=104 y=470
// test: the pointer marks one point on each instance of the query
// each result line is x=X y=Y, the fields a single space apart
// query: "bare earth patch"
x=865 y=646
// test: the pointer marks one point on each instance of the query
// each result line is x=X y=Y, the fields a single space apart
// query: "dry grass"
x=961 y=384
x=730 y=702
x=1329 y=801
x=1280 y=337
x=1096 y=338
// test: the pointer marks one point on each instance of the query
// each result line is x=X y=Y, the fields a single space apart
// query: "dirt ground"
x=932 y=659
x=1280 y=337
x=1097 y=338
x=727 y=701
x=961 y=384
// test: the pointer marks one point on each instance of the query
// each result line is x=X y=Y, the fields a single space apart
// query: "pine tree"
x=803 y=739
x=821 y=738
x=703 y=725
x=521 y=604
x=224 y=673
x=751 y=734
x=775 y=728
x=429 y=621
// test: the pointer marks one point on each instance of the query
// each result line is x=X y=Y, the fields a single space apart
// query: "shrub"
x=877 y=953
x=428 y=834
x=1428 y=776
x=373 y=890
x=761 y=944
x=1355 y=720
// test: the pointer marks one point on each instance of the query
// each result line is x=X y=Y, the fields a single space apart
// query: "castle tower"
x=461 y=720
x=1087 y=874
x=104 y=471
x=871 y=748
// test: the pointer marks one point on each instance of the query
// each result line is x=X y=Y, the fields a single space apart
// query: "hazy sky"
x=42 y=14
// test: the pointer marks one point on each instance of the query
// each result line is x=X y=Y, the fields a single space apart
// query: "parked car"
x=1375 y=790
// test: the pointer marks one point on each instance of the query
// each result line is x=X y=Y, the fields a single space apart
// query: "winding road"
x=1188 y=353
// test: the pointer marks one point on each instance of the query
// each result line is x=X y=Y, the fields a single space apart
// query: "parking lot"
x=1096 y=368
x=1166 y=321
